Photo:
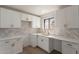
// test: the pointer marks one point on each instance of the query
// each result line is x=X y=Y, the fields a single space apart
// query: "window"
x=49 y=24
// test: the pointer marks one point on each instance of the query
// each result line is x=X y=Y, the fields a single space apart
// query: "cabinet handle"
x=13 y=45
x=12 y=25
x=42 y=40
x=69 y=44
x=17 y=39
x=7 y=42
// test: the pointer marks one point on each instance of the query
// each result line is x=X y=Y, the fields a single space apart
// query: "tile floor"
x=37 y=50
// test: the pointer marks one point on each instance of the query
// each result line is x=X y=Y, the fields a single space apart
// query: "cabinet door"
x=39 y=41
x=34 y=40
x=18 y=45
x=10 y=19
x=6 y=18
x=26 y=40
x=71 y=14
x=45 y=44
x=16 y=20
x=24 y=17
x=60 y=18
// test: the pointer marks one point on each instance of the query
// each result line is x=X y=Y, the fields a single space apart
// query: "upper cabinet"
x=72 y=16
x=36 y=22
x=34 y=19
x=68 y=17
x=26 y=17
x=9 y=18
x=60 y=18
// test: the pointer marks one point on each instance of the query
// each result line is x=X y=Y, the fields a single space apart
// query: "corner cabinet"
x=9 y=18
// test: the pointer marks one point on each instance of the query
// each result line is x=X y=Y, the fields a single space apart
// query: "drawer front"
x=69 y=44
x=68 y=50
x=4 y=43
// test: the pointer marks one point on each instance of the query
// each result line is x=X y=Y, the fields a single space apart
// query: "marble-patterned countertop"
x=12 y=37
x=60 y=37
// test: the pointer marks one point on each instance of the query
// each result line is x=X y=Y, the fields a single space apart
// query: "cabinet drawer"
x=70 y=46
x=4 y=43
x=69 y=43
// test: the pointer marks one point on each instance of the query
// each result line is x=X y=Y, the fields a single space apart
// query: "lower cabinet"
x=11 y=46
x=18 y=45
x=45 y=43
x=26 y=41
x=33 y=39
x=5 y=47
x=70 y=48
x=30 y=39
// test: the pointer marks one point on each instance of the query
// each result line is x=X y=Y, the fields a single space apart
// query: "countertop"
x=11 y=37
x=60 y=37
x=57 y=37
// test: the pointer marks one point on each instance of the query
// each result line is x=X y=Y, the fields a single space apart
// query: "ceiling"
x=37 y=9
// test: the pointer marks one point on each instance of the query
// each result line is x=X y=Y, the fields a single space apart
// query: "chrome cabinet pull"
x=42 y=40
x=13 y=45
x=69 y=44
x=6 y=42
x=12 y=25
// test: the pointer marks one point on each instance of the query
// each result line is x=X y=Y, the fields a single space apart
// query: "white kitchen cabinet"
x=60 y=18
x=34 y=19
x=45 y=43
x=68 y=17
x=5 y=47
x=9 y=18
x=26 y=40
x=72 y=16
x=18 y=45
x=36 y=22
x=26 y=17
x=11 y=46
x=70 y=47
x=33 y=40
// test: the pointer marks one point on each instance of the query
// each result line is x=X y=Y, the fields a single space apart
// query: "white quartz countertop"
x=11 y=37
x=60 y=37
